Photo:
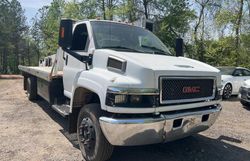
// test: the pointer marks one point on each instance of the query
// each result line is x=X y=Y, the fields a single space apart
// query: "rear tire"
x=31 y=88
x=93 y=144
x=227 y=91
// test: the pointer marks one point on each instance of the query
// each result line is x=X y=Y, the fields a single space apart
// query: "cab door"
x=72 y=66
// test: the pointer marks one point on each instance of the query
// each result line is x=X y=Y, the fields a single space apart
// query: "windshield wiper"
x=156 y=50
x=120 y=47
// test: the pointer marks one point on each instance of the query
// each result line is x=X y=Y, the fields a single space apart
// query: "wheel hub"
x=87 y=134
x=227 y=91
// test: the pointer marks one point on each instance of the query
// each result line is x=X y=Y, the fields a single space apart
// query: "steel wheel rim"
x=87 y=135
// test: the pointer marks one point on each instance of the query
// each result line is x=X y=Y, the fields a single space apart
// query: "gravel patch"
x=33 y=131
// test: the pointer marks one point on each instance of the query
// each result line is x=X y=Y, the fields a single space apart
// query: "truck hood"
x=144 y=70
x=170 y=63
x=225 y=79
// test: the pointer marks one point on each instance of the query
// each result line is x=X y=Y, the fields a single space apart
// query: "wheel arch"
x=83 y=96
x=230 y=83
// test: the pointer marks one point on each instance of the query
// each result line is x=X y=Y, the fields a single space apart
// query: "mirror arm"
x=82 y=58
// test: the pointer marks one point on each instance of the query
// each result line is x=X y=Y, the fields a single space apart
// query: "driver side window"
x=246 y=73
x=80 y=38
x=238 y=72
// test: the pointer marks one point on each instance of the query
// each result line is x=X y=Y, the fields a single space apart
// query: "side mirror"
x=179 y=47
x=65 y=33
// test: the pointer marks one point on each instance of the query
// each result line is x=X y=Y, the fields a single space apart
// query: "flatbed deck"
x=44 y=73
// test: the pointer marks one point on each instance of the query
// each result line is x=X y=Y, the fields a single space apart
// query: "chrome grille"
x=186 y=89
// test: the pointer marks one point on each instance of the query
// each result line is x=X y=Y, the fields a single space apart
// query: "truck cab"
x=119 y=85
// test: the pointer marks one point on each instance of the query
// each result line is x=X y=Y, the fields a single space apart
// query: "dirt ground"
x=6 y=76
x=32 y=131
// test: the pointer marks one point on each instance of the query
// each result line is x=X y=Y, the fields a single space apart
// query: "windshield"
x=226 y=71
x=123 y=37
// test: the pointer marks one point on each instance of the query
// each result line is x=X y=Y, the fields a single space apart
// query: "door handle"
x=66 y=60
x=63 y=55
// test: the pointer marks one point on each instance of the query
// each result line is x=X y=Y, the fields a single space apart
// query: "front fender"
x=98 y=80
x=91 y=86
x=226 y=82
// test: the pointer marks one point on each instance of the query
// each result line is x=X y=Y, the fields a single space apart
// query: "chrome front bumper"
x=129 y=132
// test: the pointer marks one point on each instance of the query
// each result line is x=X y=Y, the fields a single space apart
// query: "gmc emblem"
x=191 y=89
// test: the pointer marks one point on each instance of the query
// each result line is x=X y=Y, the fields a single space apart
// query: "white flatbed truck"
x=118 y=85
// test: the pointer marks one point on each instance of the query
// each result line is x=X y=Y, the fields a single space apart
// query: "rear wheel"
x=93 y=144
x=227 y=91
x=31 y=88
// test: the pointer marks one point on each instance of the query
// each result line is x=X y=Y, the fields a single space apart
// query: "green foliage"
x=12 y=36
x=225 y=17
x=213 y=41
x=176 y=21
x=45 y=27
x=50 y=25
x=88 y=9
x=127 y=10
x=222 y=52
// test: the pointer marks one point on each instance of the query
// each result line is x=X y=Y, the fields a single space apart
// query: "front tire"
x=227 y=91
x=93 y=144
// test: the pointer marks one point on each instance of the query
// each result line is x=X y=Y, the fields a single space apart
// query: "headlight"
x=132 y=97
x=135 y=99
x=120 y=99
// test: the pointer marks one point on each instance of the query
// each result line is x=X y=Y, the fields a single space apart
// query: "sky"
x=32 y=6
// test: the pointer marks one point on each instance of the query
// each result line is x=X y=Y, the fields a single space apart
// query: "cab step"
x=62 y=109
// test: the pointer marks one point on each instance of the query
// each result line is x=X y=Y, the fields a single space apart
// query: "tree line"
x=214 y=31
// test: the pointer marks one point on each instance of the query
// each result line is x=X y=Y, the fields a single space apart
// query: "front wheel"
x=227 y=91
x=93 y=144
